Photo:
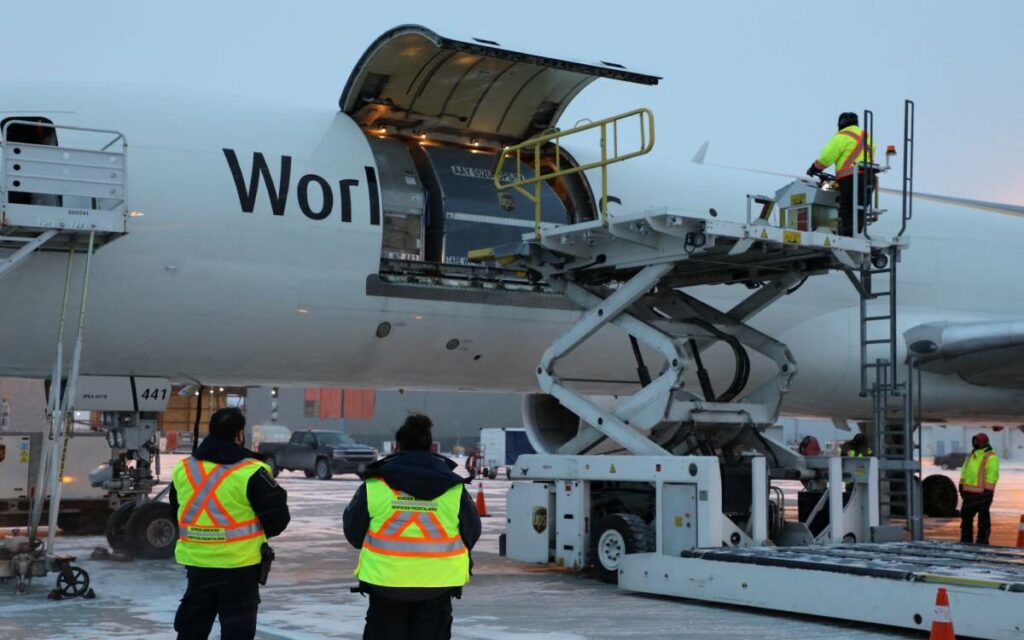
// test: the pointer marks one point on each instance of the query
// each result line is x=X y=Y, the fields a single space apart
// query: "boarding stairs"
x=633 y=271
x=62 y=189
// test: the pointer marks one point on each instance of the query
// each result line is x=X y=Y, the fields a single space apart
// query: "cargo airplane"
x=274 y=244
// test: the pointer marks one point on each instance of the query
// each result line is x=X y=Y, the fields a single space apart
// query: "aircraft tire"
x=115 y=529
x=152 y=531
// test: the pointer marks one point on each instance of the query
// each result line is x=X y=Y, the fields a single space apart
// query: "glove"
x=813 y=171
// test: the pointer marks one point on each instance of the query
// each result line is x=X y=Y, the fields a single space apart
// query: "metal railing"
x=534 y=152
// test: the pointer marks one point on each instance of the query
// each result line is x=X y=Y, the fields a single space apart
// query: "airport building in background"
x=372 y=417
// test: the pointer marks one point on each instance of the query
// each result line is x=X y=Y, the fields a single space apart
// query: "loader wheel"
x=152 y=531
x=115 y=529
x=323 y=469
x=939 y=495
x=614 y=536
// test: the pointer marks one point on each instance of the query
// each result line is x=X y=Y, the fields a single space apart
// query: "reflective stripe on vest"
x=413 y=542
x=846 y=169
x=227 y=537
x=981 y=481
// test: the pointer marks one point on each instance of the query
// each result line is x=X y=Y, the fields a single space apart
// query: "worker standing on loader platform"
x=415 y=524
x=978 y=479
x=848 y=146
x=227 y=505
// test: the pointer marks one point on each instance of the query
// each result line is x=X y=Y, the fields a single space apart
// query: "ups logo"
x=540 y=519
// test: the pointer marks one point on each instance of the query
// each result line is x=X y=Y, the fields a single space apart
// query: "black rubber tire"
x=635 y=534
x=940 y=496
x=309 y=474
x=152 y=531
x=274 y=469
x=115 y=529
x=508 y=473
x=323 y=469
x=492 y=473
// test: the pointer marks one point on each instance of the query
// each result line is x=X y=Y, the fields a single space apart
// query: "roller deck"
x=892 y=584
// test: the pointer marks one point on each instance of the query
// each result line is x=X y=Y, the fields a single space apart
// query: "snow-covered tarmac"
x=308 y=595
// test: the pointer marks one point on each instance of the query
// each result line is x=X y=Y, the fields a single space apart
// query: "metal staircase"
x=68 y=198
x=895 y=415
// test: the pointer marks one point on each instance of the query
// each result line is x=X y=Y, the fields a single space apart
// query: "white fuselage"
x=201 y=290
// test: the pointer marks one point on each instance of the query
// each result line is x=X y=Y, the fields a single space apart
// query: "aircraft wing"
x=989 y=354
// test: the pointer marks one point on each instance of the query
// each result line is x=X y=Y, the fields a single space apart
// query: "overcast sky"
x=763 y=81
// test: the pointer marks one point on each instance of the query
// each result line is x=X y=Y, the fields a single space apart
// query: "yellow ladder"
x=533 y=148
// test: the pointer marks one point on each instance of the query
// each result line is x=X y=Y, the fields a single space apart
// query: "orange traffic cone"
x=942 y=625
x=1020 y=534
x=481 y=505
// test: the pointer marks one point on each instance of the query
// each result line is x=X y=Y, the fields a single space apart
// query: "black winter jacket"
x=424 y=475
x=268 y=499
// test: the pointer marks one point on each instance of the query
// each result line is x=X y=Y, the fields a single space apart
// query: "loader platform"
x=892 y=584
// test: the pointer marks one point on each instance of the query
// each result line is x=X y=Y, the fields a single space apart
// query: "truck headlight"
x=338 y=454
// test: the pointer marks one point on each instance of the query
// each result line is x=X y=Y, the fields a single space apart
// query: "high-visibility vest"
x=847 y=147
x=217 y=527
x=980 y=472
x=412 y=542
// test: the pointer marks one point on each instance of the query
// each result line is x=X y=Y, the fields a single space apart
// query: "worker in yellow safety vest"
x=978 y=479
x=857 y=447
x=227 y=505
x=414 y=524
x=847 y=147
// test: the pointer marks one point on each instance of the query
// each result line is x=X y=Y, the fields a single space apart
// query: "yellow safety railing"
x=610 y=154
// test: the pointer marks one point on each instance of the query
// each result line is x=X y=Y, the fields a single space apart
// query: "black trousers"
x=975 y=504
x=865 y=185
x=397 y=620
x=233 y=595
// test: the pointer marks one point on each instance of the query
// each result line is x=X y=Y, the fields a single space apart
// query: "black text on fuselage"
x=277 y=190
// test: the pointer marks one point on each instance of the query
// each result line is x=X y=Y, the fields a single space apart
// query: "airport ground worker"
x=227 y=505
x=848 y=146
x=858 y=447
x=414 y=524
x=978 y=479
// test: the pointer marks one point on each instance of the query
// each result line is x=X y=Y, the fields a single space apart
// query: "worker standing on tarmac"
x=978 y=479
x=227 y=505
x=857 y=447
x=415 y=524
x=848 y=146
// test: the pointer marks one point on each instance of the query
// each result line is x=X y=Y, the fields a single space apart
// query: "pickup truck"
x=319 y=454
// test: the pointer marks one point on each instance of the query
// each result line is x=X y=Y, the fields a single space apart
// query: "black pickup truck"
x=318 y=454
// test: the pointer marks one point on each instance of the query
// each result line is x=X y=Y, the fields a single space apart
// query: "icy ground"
x=308 y=594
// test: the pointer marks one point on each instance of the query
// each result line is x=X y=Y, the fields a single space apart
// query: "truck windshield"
x=334 y=438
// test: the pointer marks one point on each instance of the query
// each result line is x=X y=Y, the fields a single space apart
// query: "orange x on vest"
x=389 y=539
x=847 y=167
x=204 y=500
x=982 y=480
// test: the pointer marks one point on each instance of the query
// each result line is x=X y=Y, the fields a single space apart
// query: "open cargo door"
x=414 y=81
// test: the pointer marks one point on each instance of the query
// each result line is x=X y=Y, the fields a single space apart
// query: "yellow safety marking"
x=612 y=469
x=481 y=255
x=967 y=582
x=24 y=456
x=679 y=521
x=764 y=234
x=798 y=198
x=828 y=243
x=792 y=237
